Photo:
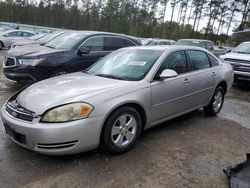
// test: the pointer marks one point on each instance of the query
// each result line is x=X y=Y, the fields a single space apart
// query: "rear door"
x=204 y=76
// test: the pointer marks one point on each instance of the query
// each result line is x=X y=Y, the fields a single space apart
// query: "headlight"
x=68 y=112
x=31 y=62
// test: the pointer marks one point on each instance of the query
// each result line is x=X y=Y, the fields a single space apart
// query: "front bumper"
x=54 y=138
x=242 y=78
x=26 y=74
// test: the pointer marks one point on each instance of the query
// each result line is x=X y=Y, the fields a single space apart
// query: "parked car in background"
x=7 y=36
x=3 y=29
x=41 y=39
x=156 y=41
x=29 y=40
x=70 y=52
x=153 y=42
x=239 y=58
x=207 y=44
x=111 y=103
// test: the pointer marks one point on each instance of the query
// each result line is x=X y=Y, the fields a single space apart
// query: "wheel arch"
x=2 y=43
x=223 y=84
x=140 y=109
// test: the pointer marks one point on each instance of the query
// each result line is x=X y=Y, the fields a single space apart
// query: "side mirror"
x=83 y=50
x=168 y=73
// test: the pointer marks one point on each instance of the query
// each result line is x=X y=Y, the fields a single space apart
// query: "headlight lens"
x=68 y=112
x=31 y=62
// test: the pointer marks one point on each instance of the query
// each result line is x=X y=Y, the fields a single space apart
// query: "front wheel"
x=121 y=130
x=216 y=103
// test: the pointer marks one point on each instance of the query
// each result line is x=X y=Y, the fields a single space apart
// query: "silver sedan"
x=111 y=103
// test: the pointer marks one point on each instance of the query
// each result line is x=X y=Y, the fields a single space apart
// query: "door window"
x=13 y=34
x=113 y=43
x=214 y=62
x=165 y=43
x=95 y=44
x=210 y=46
x=176 y=61
x=26 y=34
x=198 y=59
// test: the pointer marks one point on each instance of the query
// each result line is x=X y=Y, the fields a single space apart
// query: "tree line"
x=142 y=18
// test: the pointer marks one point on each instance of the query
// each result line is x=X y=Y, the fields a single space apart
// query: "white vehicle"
x=7 y=37
x=239 y=58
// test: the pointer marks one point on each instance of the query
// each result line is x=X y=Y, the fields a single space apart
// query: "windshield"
x=49 y=37
x=187 y=42
x=243 y=48
x=36 y=37
x=66 y=41
x=127 y=64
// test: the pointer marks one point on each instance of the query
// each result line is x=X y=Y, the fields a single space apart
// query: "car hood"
x=32 y=51
x=26 y=42
x=65 y=89
x=239 y=56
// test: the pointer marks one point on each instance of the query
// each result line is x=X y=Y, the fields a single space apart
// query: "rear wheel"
x=216 y=103
x=121 y=130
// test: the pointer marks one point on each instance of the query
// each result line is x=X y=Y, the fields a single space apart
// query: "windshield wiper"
x=50 y=47
x=110 y=76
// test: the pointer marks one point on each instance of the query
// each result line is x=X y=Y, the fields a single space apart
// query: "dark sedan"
x=71 y=52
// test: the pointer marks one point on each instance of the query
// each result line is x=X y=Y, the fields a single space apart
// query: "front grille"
x=9 y=62
x=17 y=111
x=239 y=65
x=237 y=60
x=63 y=145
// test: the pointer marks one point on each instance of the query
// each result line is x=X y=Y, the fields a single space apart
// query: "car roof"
x=165 y=48
x=106 y=33
x=196 y=40
x=13 y=30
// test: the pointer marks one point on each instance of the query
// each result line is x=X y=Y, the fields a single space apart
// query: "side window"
x=210 y=46
x=198 y=59
x=214 y=62
x=203 y=45
x=113 y=43
x=13 y=34
x=165 y=43
x=25 y=34
x=20 y=33
x=176 y=61
x=95 y=44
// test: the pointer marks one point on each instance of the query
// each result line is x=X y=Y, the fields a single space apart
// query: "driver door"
x=172 y=96
x=96 y=51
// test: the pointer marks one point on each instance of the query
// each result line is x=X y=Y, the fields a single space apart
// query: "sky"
x=203 y=22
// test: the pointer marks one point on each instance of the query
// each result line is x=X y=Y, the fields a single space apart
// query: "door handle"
x=214 y=74
x=186 y=81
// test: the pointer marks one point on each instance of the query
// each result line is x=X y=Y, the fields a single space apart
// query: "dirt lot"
x=190 y=151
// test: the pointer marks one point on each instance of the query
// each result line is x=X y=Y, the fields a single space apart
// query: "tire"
x=216 y=103
x=60 y=71
x=1 y=45
x=118 y=136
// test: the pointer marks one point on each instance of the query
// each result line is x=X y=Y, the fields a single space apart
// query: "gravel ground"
x=190 y=151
